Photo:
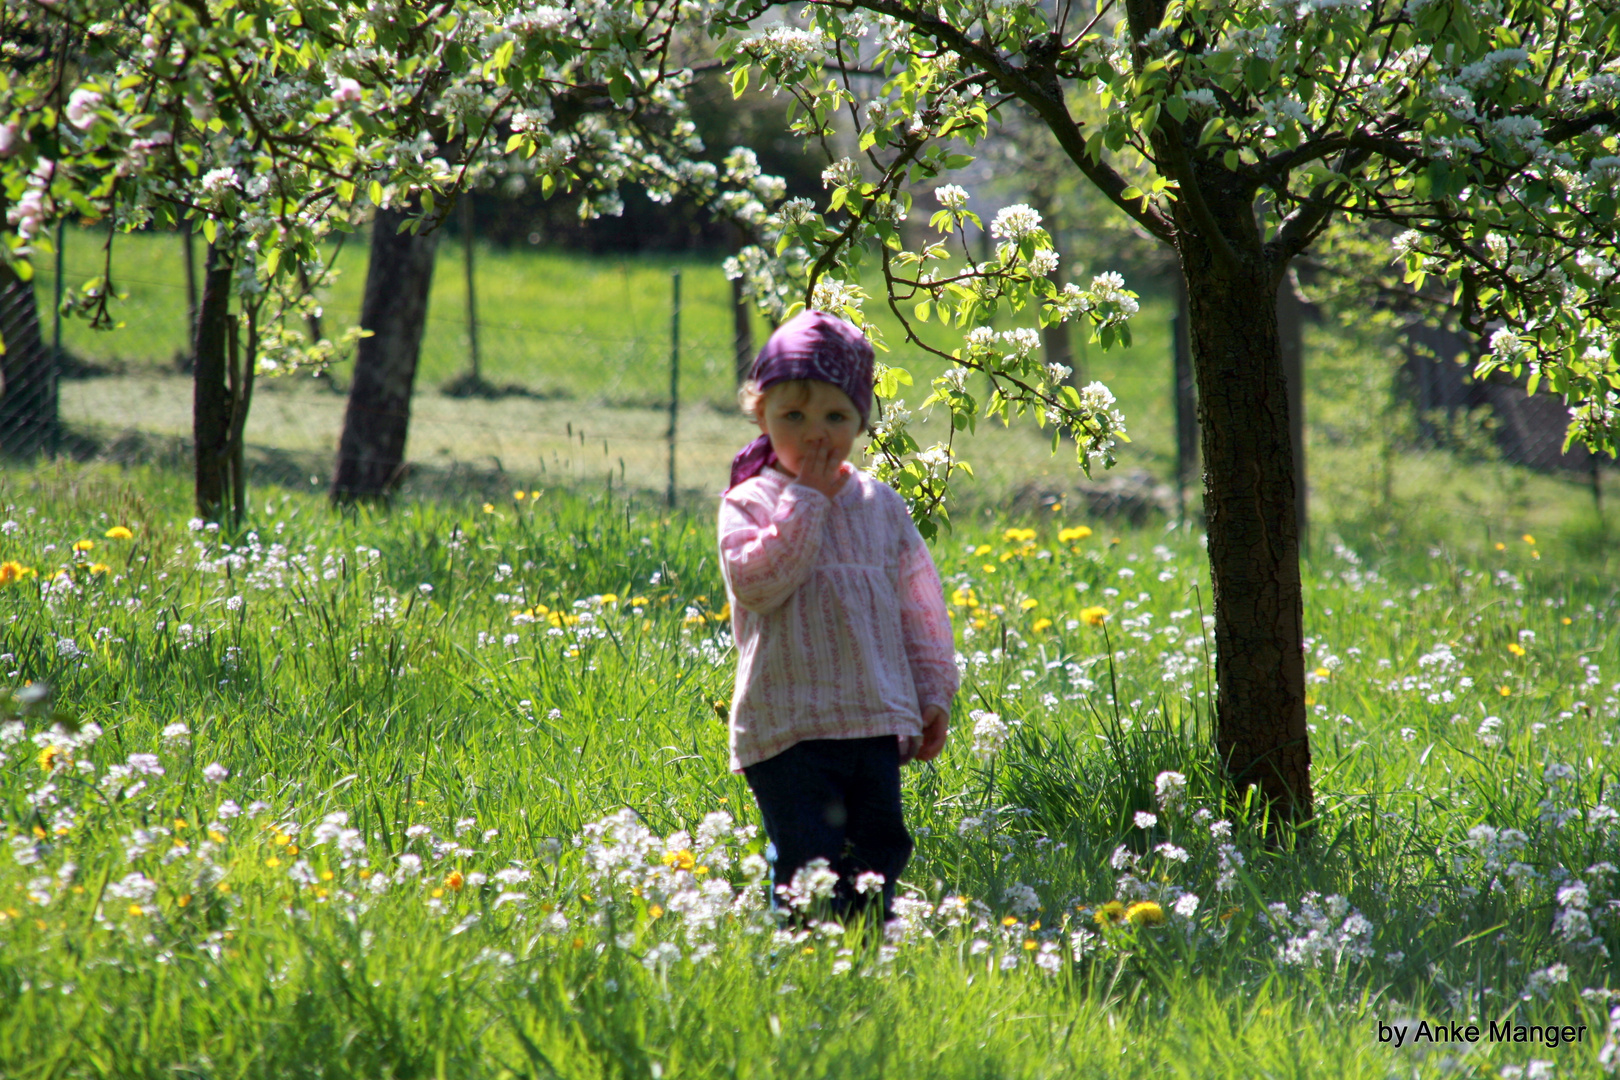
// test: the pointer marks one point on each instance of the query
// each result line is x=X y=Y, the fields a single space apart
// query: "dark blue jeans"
x=839 y=800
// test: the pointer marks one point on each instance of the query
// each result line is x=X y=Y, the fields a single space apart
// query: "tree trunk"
x=742 y=332
x=1260 y=730
x=210 y=397
x=28 y=373
x=371 y=454
x=1291 y=346
x=1185 y=394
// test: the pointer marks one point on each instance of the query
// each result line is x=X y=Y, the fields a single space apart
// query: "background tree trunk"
x=210 y=398
x=742 y=332
x=28 y=373
x=371 y=453
x=1260 y=731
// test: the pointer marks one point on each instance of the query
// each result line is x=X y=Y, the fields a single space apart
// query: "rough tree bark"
x=1248 y=496
x=1184 y=391
x=371 y=453
x=1291 y=346
x=28 y=375
x=210 y=397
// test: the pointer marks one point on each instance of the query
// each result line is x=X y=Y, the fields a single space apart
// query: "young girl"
x=845 y=661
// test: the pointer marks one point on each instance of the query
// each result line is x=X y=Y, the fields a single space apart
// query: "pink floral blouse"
x=837 y=611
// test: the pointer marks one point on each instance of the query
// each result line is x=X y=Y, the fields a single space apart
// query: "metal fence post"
x=674 y=376
x=472 y=296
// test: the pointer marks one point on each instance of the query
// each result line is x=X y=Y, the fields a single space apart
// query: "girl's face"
x=808 y=417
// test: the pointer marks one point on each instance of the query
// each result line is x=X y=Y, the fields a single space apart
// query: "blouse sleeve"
x=766 y=553
x=926 y=627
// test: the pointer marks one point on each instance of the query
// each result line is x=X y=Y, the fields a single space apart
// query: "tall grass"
x=468 y=690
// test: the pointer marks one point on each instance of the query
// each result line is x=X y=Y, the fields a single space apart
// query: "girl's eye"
x=835 y=418
x=793 y=414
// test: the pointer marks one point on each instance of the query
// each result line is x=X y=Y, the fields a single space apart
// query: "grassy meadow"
x=443 y=792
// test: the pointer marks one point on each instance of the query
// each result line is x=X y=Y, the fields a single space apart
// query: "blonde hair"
x=750 y=397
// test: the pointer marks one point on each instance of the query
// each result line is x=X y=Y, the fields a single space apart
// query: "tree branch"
x=1040 y=90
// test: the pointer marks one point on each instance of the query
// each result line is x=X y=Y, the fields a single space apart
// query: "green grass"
x=594 y=331
x=307 y=658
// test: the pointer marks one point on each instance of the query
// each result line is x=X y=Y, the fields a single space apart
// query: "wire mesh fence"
x=574 y=365
x=574 y=376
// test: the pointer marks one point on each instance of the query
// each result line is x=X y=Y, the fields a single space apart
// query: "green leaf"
x=209 y=230
x=922 y=310
x=375 y=191
x=739 y=81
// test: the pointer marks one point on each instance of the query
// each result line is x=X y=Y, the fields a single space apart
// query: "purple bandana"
x=811 y=345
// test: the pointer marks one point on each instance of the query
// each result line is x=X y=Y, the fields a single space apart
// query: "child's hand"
x=927 y=746
x=823 y=470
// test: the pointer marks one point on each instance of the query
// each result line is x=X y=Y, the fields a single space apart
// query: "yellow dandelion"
x=654 y=912
x=578 y=943
x=135 y=910
x=1030 y=944
x=988 y=568
x=1566 y=620
x=1504 y=691
x=982 y=549
x=12 y=572
x=272 y=862
x=519 y=494
x=1029 y=603
x=99 y=568
x=1042 y=625
x=489 y=508
x=1146 y=913
x=534 y=494
x=1068 y=536
x=454 y=881
x=1322 y=673
x=119 y=532
x=1017 y=536
x=1500 y=546
x=327 y=875
x=1093 y=616
x=1515 y=648
x=1009 y=921
x=1110 y=914
x=1527 y=538
x=83 y=545
x=437 y=894
x=216 y=836
x=680 y=860
x=609 y=598
x=183 y=900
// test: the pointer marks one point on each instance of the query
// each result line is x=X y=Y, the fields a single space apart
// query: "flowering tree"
x=271 y=127
x=1235 y=132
